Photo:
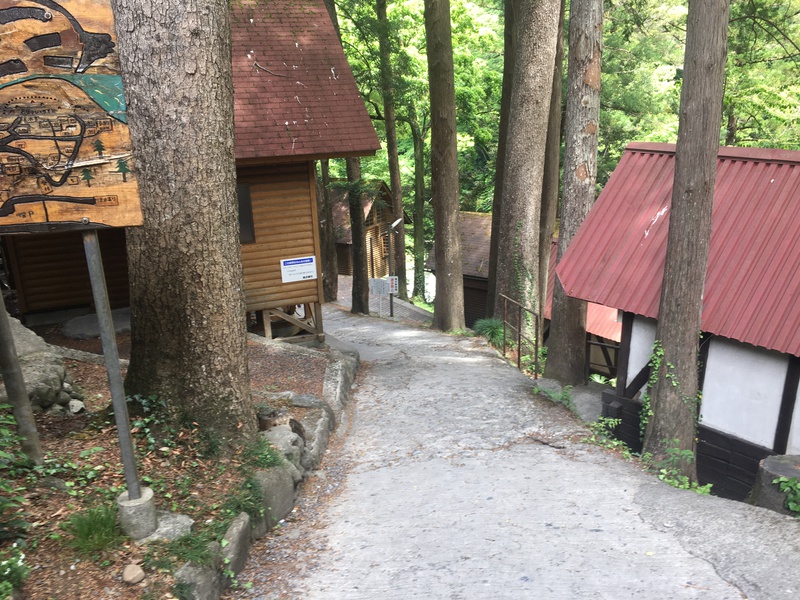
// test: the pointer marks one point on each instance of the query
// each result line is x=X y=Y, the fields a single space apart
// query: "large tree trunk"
x=360 y=297
x=566 y=355
x=387 y=85
x=535 y=31
x=419 y=209
x=551 y=178
x=448 y=311
x=502 y=140
x=674 y=400
x=187 y=302
x=327 y=236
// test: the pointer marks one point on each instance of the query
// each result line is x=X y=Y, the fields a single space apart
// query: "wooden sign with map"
x=65 y=149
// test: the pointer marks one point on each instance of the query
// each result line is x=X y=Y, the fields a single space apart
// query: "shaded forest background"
x=641 y=83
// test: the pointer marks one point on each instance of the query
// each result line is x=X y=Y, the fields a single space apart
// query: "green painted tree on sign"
x=123 y=168
x=87 y=176
x=99 y=146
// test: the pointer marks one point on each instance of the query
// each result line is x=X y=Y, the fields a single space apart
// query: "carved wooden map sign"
x=65 y=149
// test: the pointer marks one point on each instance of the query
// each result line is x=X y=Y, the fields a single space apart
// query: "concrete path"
x=463 y=484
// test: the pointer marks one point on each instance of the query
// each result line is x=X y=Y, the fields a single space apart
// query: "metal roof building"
x=753 y=280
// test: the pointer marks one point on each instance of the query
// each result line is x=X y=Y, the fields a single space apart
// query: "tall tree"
x=355 y=196
x=358 y=248
x=674 y=402
x=418 y=132
x=448 y=310
x=387 y=89
x=535 y=27
x=552 y=169
x=566 y=356
x=187 y=303
x=502 y=139
x=327 y=236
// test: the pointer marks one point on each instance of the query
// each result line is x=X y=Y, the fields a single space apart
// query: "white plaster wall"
x=742 y=390
x=794 y=433
x=643 y=334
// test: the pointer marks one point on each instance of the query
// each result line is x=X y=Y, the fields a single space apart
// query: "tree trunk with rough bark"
x=387 y=85
x=674 y=402
x=448 y=311
x=534 y=38
x=419 y=209
x=552 y=171
x=502 y=140
x=566 y=353
x=360 y=296
x=327 y=236
x=187 y=301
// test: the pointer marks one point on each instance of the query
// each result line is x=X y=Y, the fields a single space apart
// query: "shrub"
x=13 y=570
x=491 y=329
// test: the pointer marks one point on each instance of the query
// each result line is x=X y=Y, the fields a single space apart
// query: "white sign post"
x=298 y=269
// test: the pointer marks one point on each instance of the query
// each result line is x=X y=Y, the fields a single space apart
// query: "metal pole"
x=391 y=272
x=16 y=391
x=94 y=260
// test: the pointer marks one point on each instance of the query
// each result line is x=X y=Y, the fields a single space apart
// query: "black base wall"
x=727 y=462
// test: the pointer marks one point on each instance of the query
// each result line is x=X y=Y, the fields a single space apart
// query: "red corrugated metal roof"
x=752 y=291
x=294 y=93
x=600 y=320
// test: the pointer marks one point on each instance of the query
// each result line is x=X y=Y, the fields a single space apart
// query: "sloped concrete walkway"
x=464 y=484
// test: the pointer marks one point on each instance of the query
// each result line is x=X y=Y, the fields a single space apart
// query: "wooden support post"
x=267 y=324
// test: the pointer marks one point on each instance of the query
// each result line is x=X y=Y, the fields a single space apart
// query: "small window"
x=247 y=230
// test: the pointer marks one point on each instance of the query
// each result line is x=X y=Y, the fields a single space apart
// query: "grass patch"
x=93 y=530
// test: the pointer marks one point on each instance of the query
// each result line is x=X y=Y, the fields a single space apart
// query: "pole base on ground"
x=138 y=517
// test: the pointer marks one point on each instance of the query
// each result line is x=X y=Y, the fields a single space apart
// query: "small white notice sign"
x=298 y=269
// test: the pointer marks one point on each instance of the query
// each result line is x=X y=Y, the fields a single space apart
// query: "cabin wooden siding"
x=285 y=218
x=376 y=225
x=50 y=271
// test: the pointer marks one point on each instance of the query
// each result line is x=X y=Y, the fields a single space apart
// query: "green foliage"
x=492 y=329
x=194 y=547
x=602 y=434
x=13 y=570
x=669 y=469
x=564 y=397
x=93 y=530
x=527 y=362
x=261 y=454
x=602 y=379
x=12 y=462
x=151 y=422
x=791 y=487
x=79 y=474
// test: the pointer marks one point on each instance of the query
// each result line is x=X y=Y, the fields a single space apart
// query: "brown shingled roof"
x=294 y=93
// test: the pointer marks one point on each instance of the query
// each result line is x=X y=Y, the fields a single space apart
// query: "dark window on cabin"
x=247 y=230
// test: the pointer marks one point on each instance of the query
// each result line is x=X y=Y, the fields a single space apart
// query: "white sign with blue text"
x=298 y=269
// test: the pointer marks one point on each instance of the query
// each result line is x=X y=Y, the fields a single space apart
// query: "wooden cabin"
x=378 y=216
x=750 y=341
x=295 y=101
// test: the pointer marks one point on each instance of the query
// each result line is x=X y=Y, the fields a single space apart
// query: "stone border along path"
x=462 y=483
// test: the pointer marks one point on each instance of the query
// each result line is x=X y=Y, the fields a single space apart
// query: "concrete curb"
x=207 y=582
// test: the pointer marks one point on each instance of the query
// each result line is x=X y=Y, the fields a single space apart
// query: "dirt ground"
x=83 y=449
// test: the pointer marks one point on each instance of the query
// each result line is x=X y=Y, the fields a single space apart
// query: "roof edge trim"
x=734 y=152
